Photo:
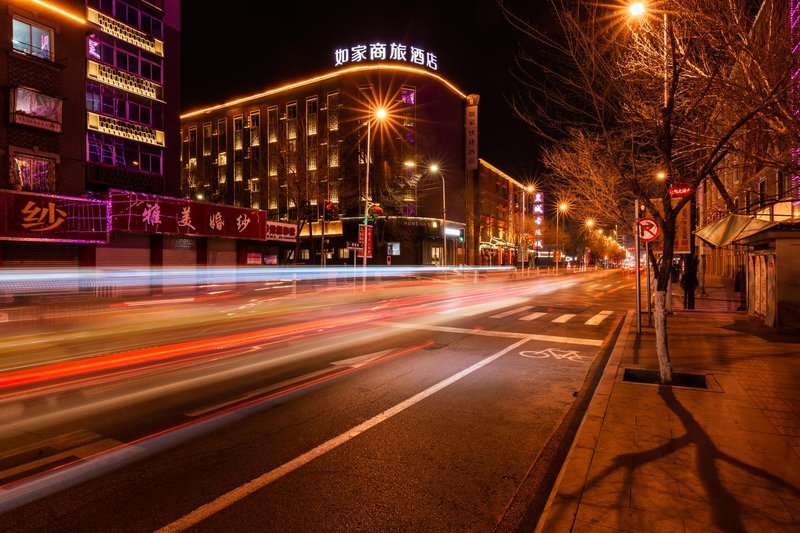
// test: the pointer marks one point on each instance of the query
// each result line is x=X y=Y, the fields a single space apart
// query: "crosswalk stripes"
x=532 y=316
x=598 y=318
x=512 y=312
x=594 y=320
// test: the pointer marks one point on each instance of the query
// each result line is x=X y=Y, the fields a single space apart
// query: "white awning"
x=732 y=228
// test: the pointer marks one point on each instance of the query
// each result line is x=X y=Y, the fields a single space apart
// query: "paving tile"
x=587 y=527
x=631 y=520
x=560 y=515
x=734 y=466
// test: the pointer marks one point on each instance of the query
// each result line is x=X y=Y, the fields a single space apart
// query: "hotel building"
x=312 y=151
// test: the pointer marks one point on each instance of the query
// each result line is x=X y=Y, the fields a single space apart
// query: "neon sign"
x=361 y=53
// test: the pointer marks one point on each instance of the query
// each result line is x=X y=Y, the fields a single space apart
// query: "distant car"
x=631 y=268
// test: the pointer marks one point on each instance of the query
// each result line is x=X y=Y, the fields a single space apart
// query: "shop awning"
x=732 y=228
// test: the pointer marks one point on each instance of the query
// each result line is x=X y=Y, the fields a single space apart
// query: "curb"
x=559 y=513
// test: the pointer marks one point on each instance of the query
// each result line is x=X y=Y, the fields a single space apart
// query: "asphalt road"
x=416 y=405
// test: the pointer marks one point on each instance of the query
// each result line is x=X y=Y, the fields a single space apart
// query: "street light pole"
x=522 y=233
x=366 y=196
x=561 y=207
x=380 y=113
x=558 y=246
x=444 y=221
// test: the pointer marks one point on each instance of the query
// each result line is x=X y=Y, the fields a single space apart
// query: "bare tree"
x=685 y=90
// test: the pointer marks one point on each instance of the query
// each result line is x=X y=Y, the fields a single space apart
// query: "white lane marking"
x=598 y=318
x=512 y=312
x=532 y=316
x=502 y=334
x=254 y=485
x=563 y=318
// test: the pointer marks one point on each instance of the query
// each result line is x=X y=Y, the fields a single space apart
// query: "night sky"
x=249 y=46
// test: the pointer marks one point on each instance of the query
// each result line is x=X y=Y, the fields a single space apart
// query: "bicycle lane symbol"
x=555 y=353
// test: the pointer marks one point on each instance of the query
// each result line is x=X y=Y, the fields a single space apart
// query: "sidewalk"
x=683 y=458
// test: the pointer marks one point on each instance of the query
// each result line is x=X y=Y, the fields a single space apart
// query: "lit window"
x=311 y=116
x=333 y=112
x=31 y=39
x=238 y=124
x=255 y=129
x=333 y=155
x=31 y=173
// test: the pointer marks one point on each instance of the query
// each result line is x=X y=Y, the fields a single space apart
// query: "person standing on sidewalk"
x=740 y=286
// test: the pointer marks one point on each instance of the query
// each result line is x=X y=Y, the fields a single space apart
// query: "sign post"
x=638 y=278
x=647 y=231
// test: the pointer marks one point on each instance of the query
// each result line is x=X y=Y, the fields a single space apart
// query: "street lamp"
x=562 y=207
x=434 y=168
x=639 y=9
x=380 y=114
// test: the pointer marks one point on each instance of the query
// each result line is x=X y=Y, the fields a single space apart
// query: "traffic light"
x=461 y=235
x=374 y=212
x=328 y=211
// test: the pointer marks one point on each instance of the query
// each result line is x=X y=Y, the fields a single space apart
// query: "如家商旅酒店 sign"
x=364 y=53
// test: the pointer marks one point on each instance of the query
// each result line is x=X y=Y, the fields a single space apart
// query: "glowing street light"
x=380 y=114
x=636 y=9
x=562 y=208
x=434 y=169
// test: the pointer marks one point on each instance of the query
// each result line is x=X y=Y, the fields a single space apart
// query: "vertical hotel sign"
x=471 y=126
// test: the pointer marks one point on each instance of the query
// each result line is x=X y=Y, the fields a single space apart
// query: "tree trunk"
x=662 y=350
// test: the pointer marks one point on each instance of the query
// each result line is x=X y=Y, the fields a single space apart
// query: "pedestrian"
x=740 y=286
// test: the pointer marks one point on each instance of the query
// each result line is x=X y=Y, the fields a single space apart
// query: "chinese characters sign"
x=472 y=137
x=538 y=214
x=140 y=212
x=44 y=217
x=362 y=53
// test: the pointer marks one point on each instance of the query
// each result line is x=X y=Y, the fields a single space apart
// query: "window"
x=207 y=139
x=311 y=116
x=121 y=153
x=344 y=253
x=32 y=39
x=222 y=141
x=333 y=155
x=333 y=112
x=255 y=128
x=238 y=124
x=272 y=124
x=124 y=57
x=193 y=142
x=291 y=121
x=31 y=173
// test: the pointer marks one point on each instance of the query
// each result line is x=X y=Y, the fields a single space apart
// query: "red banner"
x=31 y=216
x=150 y=213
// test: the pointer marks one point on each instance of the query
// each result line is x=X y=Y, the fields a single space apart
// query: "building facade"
x=92 y=90
x=302 y=153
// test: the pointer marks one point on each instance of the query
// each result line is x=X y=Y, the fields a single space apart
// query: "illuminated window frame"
x=19 y=25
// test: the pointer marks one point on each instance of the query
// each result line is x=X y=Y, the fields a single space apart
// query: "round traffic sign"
x=648 y=229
